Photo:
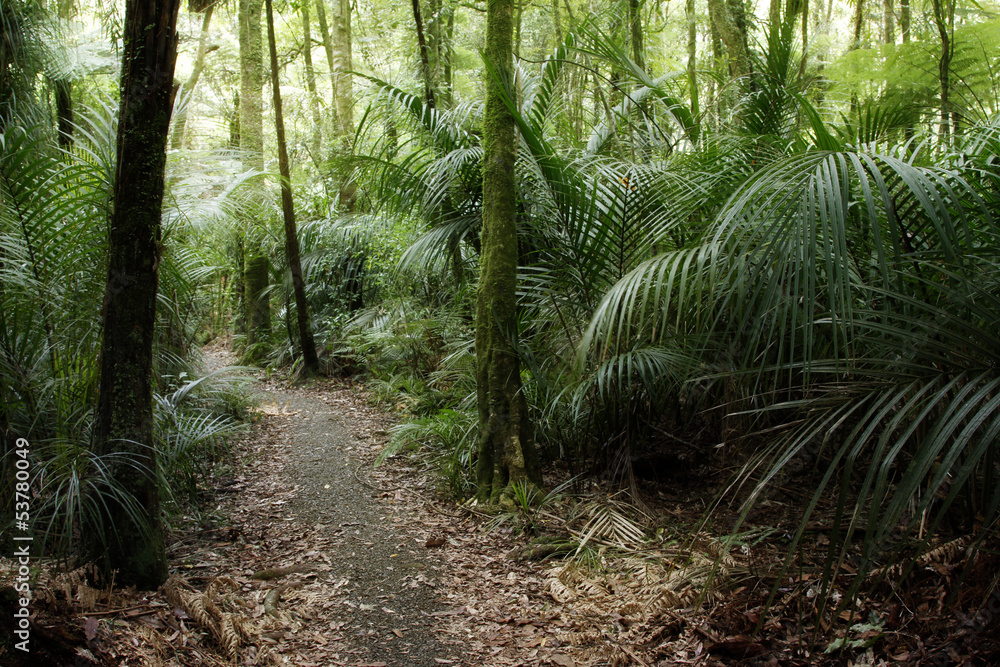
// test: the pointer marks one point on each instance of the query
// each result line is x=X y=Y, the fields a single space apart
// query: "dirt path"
x=377 y=573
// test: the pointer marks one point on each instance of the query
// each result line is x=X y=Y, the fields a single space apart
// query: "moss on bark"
x=135 y=545
x=506 y=451
x=256 y=277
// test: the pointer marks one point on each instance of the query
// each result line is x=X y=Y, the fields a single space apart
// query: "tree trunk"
x=187 y=88
x=257 y=275
x=859 y=22
x=774 y=12
x=324 y=31
x=425 y=58
x=343 y=59
x=124 y=417
x=805 y=39
x=556 y=24
x=447 y=55
x=944 y=20
x=256 y=278
x=904 y=20
x=314 y=144
x=309 y=357
x=692 y=49
x=64 y=111
x=733 y=33
x=889 y=21
x=635 y=27
x=506 y=452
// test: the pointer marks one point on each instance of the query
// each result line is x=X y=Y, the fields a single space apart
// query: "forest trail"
x=361 y=580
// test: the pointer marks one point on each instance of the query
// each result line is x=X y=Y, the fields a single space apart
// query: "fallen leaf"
x=562 y=660
x=91 y=628
x=435 y=542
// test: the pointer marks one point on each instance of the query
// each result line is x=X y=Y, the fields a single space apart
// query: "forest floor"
x=303 y=552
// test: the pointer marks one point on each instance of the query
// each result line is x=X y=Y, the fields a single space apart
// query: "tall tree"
x=124 y=418
x=256 y=272
x=729 y=19
x=505 y=448
x=288 y=210
x=904 y=20
x=314 y=145
x=944 y=20
x=692 y=49
x=324 y=32
x=187 y=88
x=64 y=87
x=343 y=64
x=889 y=21
x=635 y=29
x=425 y=56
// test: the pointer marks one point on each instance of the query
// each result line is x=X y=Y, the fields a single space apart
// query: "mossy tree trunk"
x=729 y=19
x=309 y=357
x=506 y=452
x=63 y=87
x=256 y=278
x=314 y=143
x=425 y=56
x=124 y=419
x=256 y=268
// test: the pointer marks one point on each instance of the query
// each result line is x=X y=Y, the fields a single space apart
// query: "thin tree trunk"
x=805 y=40
x=635 y=27
x=944 y=20
x=324 y=31
x=187 y=88
x=859 y=22
x=506 y=452
x=425 y=59
x=904 y=20
x=556 y=23
x=889 y=21
x=732 y=32
x=447 y=55
x=317 y=134
x=774 y=12
x=124 y=417
x=343 y=58
x=64 y=111
x=692 y=49
x=309 y=357
x=257 y=275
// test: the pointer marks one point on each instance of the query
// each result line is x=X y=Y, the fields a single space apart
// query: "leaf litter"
x=310 y=555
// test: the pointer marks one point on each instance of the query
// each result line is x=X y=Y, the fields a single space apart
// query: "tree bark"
x=257 y=275
x=317 y=134
x=63 y=89
x=506 y=452
x=889 y=21
x=859 y=22
x=124 y=417
x=309 y=358
x=187 y=88
x=343 y=59
x=733 y=33
x=324 y=31
x=904 y=20
x=425 y=57
x=944 y=20
x=256 y=278
x=635 y=27
x=692 y=49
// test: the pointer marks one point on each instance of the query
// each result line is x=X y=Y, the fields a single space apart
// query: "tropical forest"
x=500 y=332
